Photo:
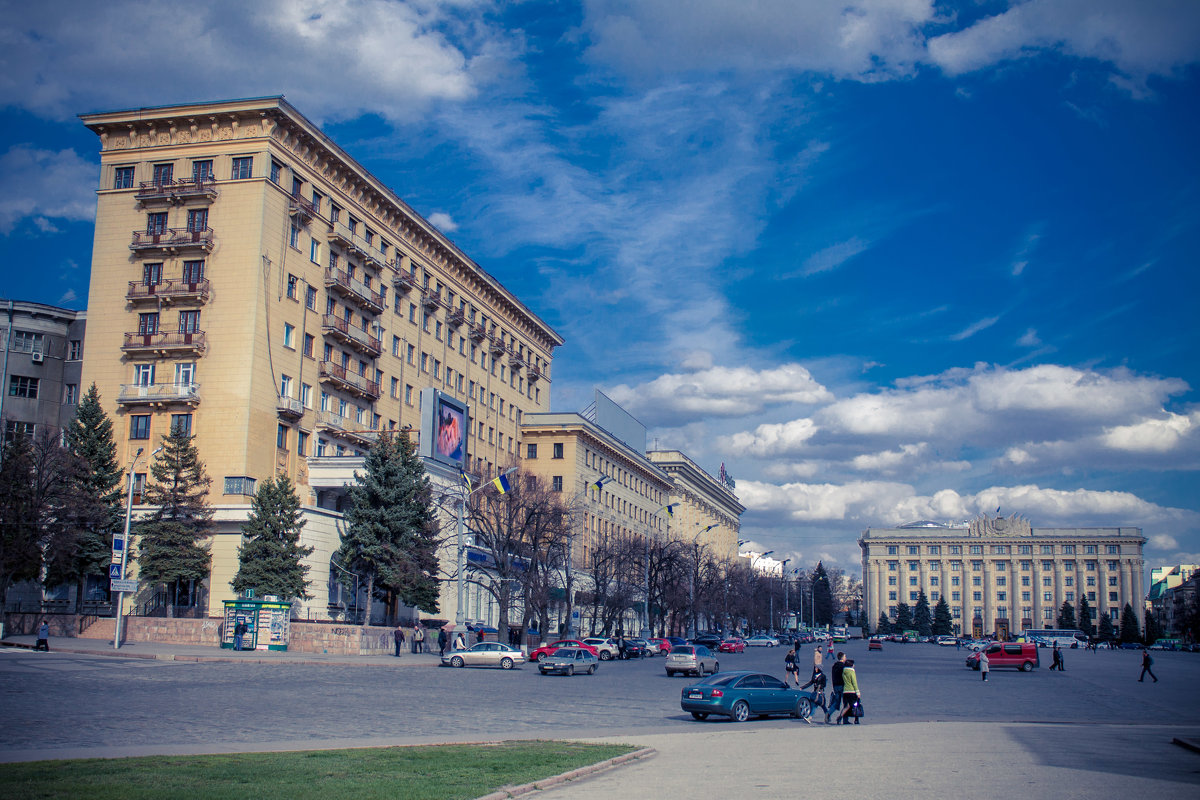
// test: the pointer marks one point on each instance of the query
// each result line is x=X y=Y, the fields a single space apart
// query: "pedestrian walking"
x=851 y=694
x=1147 y=662
x=818 y=659
x=459 y=642
x=789 y=668
x=831 y=648
x=398 y=635
x=443 y=640
x=983 y=664
x=1054 y=658
x=835 y=695
x=817 y=681
x=43 y=637
x=239 y=631
x=419 y=639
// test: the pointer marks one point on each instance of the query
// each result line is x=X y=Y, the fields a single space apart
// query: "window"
x=185 y=373
x=197 y=220
x=935 y=550
x=914 y=550
x=202 y=171
x=1089 y=549
x=193 y=271
x=1025 y=549
x=1047 y=549
x=1026 y=566
x=308 y=345
x=310 y=298
x=396 y=388
x=556 y=483
x=314 y=251
x=1113 y=549
x=531 y=451
x=289 y=335
x=1001 y=580
x=243 y=168
x=558 y=450
x=281 y=437
x=239 y=485
x=20 y=386
x=1112 y=597
x=956 y=549
x=74 y=350
x=285 y=385
x=408 y=393
x=913 y=566
x=1068 y=549
x=977 y=596
x=976 y=549
x=1047 y=566
x=1070 y=597
x=1112 y=580
x=292 y=284
x=294 y=236
x=276 y=171
x=893 y=566
x=306 y=395
x=139 y=426
x=27 y=342
x=893 y=550
x=955 y=580
x=302 y=443
x=999 y=549
x=1091 y=566
x=189 y=321
x=163 y=173
x=335 y=213
x=182 y=423
x=123 y=178
x=912 y=596
x=71 y=394
x=143 y=375
x=152 y=274
x=156 y=223
x=912 y=581
x=1025 y=580
x=891 y=580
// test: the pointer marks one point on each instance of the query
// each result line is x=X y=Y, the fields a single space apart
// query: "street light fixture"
x=121 y=566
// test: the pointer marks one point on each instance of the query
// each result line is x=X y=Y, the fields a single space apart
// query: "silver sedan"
x=568 y=661
x=485 y=654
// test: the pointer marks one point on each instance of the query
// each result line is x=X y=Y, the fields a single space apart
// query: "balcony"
x=346 y=429
x=348 y=334
x=354 y=290
x=477 y=333
x=342 y=378
x=515 y=359
x=194 y=343
x=159 y=394
x=172 y=240
x=289 y=408
x=403 y=282
x=173 y=192
x=302 y=210
x=168 y=292
x=456 y=318
x=496 y=346
x=430 y=300
x=534 y=373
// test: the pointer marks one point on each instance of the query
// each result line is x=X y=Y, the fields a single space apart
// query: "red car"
x=732 y=646
x=663 y=645
x=547 y=649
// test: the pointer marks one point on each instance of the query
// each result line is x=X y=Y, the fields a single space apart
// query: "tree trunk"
x=370 y=595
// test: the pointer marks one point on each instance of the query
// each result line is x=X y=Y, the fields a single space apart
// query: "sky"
x=887 y=261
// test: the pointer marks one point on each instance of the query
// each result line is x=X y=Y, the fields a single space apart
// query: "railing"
x=289 y=407
x=356 y=289
x=344 y=428
x=477 y=333
x=135 y=393
x=496 y=346
x=175 y=190
x=358 y=384
x=168 y=290
x=455 y=317
x=173 y=239
x=515 y=359
x=301 y=205
x=533 y=373
x=354 y=336
x=157 y=606
x=430 y=299
x=403 y=281
x=195 y=342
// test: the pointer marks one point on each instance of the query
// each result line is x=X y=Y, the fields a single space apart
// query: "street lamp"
x=783 y=572
x=125 y=546
x=692 y=578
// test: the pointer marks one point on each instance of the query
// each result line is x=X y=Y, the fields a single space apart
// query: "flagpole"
x=459 y=615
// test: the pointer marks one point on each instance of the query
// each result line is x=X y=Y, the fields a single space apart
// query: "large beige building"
x=254 y=284
x=1001 y=575
x=706 y=510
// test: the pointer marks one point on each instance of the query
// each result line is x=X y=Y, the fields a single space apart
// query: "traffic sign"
x=114 y=571
x=124 y=586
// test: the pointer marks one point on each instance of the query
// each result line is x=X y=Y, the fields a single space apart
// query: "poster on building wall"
x=444 y=426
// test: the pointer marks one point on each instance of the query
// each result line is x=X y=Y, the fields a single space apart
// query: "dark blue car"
x=740 y=695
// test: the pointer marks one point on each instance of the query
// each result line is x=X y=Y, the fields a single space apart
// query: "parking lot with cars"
x=137 y=702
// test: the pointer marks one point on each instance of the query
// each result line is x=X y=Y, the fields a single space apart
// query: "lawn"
x=437 y=772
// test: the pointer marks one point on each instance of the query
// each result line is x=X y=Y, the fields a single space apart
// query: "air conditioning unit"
x=38 y=358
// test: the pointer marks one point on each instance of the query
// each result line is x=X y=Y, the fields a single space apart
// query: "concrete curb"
x=248 y=659
x=506 y=792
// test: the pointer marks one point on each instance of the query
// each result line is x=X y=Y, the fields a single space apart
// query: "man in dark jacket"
x=443 y=639
x=835 y=697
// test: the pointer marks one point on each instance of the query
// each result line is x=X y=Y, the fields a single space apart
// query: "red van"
x=1021 y=655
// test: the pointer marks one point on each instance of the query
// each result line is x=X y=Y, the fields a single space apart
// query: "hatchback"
x=691 y=659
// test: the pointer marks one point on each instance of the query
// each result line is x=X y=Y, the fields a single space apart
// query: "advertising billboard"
x=444 y=426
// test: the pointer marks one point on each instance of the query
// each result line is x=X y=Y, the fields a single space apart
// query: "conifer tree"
x=90 y=437
x=1153 y=631
x=1085 y=615
x=943 y=622
x=922 y=620
x=885 y=625
x=822 y=596
x=904 y=620
x=391 y=532
x=1066 y=616
x=1107 y=632
x=1130 y=631
x=271 y=559
x=171 y=547
x=20 y=553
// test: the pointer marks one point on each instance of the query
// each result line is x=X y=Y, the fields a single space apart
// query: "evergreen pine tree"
x=271 y=559
x=391 y=532
x=904 y=620
x=1130 y=631
x=1085 y=616
x=822 y=596
x=1066 y=617
x=1153 y=631
x=1107 y=632
x=922 y=620
x=943 y=622
x=20 y=552
x=170 y=548
x=885 y=625
x=90 y=437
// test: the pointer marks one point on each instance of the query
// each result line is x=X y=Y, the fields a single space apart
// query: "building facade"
x=706 y=510
x=42 y=366
x=255 y=285
x=1000 y=575
x=1169 y=603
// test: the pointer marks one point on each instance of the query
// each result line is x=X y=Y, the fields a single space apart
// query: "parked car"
x=762 y=640
x=709 y=640
x=734 y=645
x=695 y=659
x=547 y=649
x=663 y=646
x=568 y=661
x=739 y=695
x=947 y=641
x=674 y=640
x=646 y=650
x=1020 y=655
x=485 y=654
x=874 y=643
x=606 y=649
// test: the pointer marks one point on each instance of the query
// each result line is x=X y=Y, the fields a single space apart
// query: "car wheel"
x=804 y=708
x=670 y=673
x=700 y=715
x=570 y=669
x=716 y=668
x=506 y=663
x=741 y=711
x=456 y=661
x=536 y=657
x=605 y=655
x=1027 y=666
x=592 y=669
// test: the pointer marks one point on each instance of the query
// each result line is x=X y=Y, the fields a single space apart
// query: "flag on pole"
x=670 y=509
x=501 y=483
x=597 y=484
x=466 y=479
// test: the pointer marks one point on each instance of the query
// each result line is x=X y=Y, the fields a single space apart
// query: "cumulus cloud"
x=45 y=185
x=1154 y=435
x=443 y=222
x=773 y=439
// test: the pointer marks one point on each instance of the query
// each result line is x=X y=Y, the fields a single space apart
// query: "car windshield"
x=686 y=650
x=721 y=679
x=564 y=652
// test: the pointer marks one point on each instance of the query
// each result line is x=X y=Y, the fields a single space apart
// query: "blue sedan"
x=740 y=695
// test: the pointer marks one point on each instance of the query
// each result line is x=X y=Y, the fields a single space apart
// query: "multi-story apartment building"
x=707 y=511
x=255 y=285
x=1163 y=600
x=42 y=362
x=1000 y=575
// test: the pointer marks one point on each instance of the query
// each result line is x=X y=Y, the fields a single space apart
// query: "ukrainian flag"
x=502 y=485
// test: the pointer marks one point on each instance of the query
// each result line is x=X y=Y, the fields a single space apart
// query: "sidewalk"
x=201 y=653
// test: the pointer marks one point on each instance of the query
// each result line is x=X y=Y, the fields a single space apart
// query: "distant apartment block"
x=42 y=362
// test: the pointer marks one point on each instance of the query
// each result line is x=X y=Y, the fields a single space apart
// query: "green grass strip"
x=441 y=772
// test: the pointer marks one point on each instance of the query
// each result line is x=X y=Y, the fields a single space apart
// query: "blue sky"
x=887 y=261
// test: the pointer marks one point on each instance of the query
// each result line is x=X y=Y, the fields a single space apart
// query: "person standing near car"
x=983 y=663
x=443 y=640
x=835 y=696
x=818 y=683
x=789 y=668
x=850 y=694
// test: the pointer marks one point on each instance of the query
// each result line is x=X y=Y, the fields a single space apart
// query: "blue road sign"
x=114 y=571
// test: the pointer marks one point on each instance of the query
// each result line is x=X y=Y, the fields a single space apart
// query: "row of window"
x=1002 y=549
x=1001 y=580
x=1047 y=597
x=189 y=322
x=163 y=174
x=1002 y=566
x=35 y=343
x=156 y=221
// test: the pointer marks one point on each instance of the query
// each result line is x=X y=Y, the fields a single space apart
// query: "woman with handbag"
x=850 y=694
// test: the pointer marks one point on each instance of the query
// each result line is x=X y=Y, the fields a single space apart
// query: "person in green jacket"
x=850 y=694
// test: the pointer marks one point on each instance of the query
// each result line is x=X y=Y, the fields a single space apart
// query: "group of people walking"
x=845 y=699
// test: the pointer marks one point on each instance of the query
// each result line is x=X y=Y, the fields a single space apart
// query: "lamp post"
x=459 y=617
x=783 y=572
x=125 y=546
x=691 y=632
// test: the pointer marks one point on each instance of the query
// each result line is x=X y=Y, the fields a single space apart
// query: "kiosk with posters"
x=267 y=623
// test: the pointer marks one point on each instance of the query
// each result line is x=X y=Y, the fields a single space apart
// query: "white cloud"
x=1162 y=541
x=45 y=185
x=1029 y=339
x=443 y=222
x=68 y=297
x=773 y=439
x=974 y=328
x=1153 y=435
x=834 y=256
